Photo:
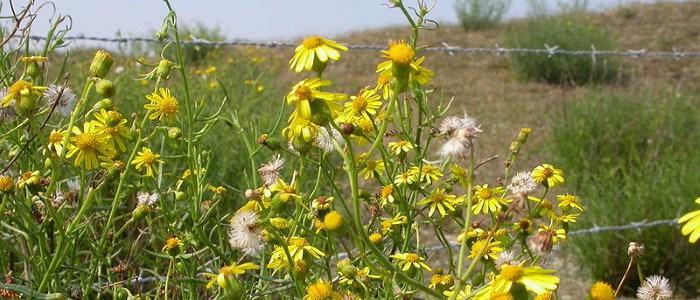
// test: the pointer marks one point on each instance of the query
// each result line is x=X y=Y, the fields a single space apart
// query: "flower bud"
x=635 y=249
x=101 y=64
x=139 y=211
x=279 y=223
x=33 y=69
x=301 y=145
x=179 y=195
x=26 y=105
x=48 y=163
x=174 y=133
x=162 y=35
x=375 y=238
x=105 y=103
x=346 y=268
x=347 y=128
x=105 y=88
x=524 y=133
x=164 y=68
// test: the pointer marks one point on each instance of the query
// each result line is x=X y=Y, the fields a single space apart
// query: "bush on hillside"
x=570 y=32
x=478 y=14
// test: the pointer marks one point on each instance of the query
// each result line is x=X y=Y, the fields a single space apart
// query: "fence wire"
x=547 y=50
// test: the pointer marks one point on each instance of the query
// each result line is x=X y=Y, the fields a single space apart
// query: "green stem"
x=467 y=221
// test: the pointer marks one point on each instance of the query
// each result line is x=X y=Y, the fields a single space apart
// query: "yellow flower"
x=372 y=167
x=90 y=145
x=363 y=105
x=297 y=248
x=400 y=147
x=568 y=218
x=321 y=290
x=307 y=91
x=285 y=191
x=440 y=200
x=163 y=105
x=113 y=124
x=399 y=53
x=359 y=275
x=34 y=59
x=172 y=245
x=227 y=272
x=471 y=233
x=461 y=295
x=428 y=173
x=487 y=249
x=28 y=178
x=602 y=291
x=548 y=175
x=387 y=224
x=535 y=279
x=692 y=227
x=21 y=88
x=406 y=261
x=384 y=84
x=6 y=183
x=441 y=281
x=147 y=160
x=569 y=201
x=544 y=296
x=386 y=195
x=375 y=238
x=489 y=200
x=56 y=141
x=556 y=234
x=406 y=178
x=333 y=220
x=313 y=54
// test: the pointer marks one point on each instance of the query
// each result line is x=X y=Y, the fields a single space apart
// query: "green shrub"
x=630 y=159
x=478 y=14
x=570 y=32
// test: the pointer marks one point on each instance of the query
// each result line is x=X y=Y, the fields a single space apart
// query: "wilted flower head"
x=147 y=199
x=655 y=288
x=635 y=249
x=65 y=99
x=461 y=131
x=245 y=233
x=270 y=171
x=324 y=140
x=522 y=183
x=506 y=258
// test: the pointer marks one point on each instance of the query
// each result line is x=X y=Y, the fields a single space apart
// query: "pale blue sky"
x=253 y=19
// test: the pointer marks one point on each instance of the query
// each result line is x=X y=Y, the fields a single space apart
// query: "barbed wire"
x=547 y=50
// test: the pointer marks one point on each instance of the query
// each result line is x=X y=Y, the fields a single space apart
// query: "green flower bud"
x=101 y=64
x=301 y=145
x=174 y=133
x=48 y=163
x=164 y=68
x=33 y=69
x=26 y=105
x=105 y=88
x=105 y=103
x=139 y=211
x=179 y=195
x=346 y=268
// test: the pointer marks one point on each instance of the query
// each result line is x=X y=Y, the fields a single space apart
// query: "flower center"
x=169 y=106
x=547 y=172
x=371 y=165
x=386 y=191
x=401 y=54
x=485 y=193
x=299 y=243
x=359 y=104
x=86 y=141
x=511 y=273
x=303 y=93
x=502 y=296
x=412 y=257
x=312 y=42
x=319 y=291
x=383 y=79
x=148 y=158
x=55 y=137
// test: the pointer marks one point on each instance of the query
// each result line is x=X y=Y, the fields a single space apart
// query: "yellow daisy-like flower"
x=163 y=105
x=406 y=261
x=386 y=195
x=399 y=54
x=375 y=238
x=406 y=178
x=56 y=141
x=569 y=201
x=313 y=54
x=544 y=296
x=113 y=124
x=384 y=84
x=428 y=173
x=172 y=245
x=89 y=146
x=297 y=249
x=372 y=167
x=308 y=90
x=28 y=178
x=227 y=272
x=548 y=175
x=321 y=290
x=487 y=249
x=21 y=88
x=388 y=224
x=363 y=105
x=333 y=220
x=488 y=200
x=400 y=147
x=441 y=201
x=692 y=227
x=147 y=160
x=535 y=279
x=360 y=275
x=461 y=295
x=6 y=184
x=285 y=191
x=401 y=63
x=602 y=291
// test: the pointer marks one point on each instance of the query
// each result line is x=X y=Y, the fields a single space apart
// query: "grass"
x=475 y=14
x=633 y=157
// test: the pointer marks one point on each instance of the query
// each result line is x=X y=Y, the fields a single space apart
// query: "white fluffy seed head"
x=655 y=288
x=66 y=102
x=245 y=233
x=522 y=183
x=270 y=171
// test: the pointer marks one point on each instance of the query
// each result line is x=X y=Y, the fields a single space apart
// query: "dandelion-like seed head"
x=655 y=288
x=245 y=233
x=506 y=258
x=270 y=171
x=146 y=198
x=65 y=103
x=400 y=53
x=522 y=183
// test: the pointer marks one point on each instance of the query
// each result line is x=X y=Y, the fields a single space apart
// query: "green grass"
x=478 y=14
x=632 y=158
